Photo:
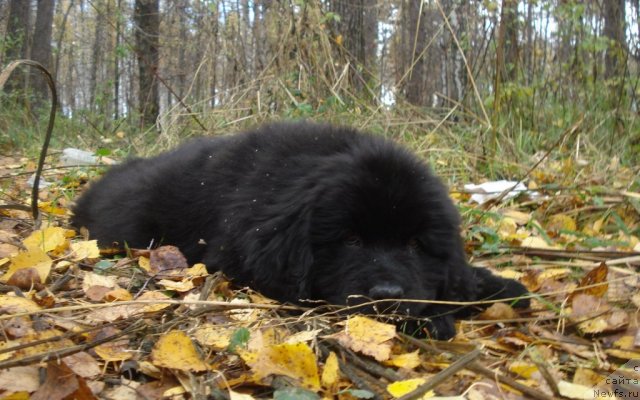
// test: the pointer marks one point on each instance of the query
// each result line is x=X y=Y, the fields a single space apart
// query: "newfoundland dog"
x=300 y=211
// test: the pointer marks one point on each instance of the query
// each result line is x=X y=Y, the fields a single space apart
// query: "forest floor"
x=143 y=325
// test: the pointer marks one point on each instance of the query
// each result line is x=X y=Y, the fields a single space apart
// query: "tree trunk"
x=147 y=20
x=41 y=48
x=507 y=51
x=358 y=26
x=16 y=42
x=416 y=87
x=614 y=30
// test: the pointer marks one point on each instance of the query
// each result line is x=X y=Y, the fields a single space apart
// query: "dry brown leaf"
x=83 y=364
x=26 y=278
x=167 y=258
x=498 y=311
x=597 y=276
x=61 y=383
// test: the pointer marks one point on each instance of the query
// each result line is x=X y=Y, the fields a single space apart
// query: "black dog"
x=300 y=211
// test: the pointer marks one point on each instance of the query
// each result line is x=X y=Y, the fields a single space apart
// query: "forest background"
x=460 y=81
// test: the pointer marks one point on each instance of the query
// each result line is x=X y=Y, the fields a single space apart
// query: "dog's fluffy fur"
x=299 y=211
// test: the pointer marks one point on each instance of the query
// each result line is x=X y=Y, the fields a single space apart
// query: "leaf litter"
x=80 y=323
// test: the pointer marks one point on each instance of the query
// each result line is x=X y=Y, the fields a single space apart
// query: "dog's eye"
x=353 y=240
x=414 y=244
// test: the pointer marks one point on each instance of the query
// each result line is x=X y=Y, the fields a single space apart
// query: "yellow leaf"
x=524 y=369
x=400 y=388
x=574 y=391
x=144 y=263
x=183 y=286
x=507 y=227
x=553 y=273
x=625 y=342
x=239 y=396
x=85 y=249
x=48 y=239
x=33 y=258
x=594 y=325
x=296 y=361
x=51 y=208
x=560 y=222
x=149 y=308
x=16 y=305
x=118 y=294
x=519 y=217
x=113 y=353
x=197 y=270
x=368 y=336
x=331 y=371
x=624 y=354
x=176 y=351
x=535 y=243
x=215 y=336
x=406 y=360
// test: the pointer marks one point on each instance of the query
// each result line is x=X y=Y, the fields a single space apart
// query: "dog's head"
x=385 y=229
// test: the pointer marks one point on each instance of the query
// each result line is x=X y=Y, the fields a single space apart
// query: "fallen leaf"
x=598 y=277
x=10 y=304
x=26 y=278
x=20 y=379
x=239 y=396
x=331 y=371
x=401 y=388
x=406 y=360
x=575 y=391
x=561 y=222
x=167 y=258
x=368 y=336
x=175 y=350
x=297 y=361
x=523 y=369
x=83 y=364
x=182 y=286
x=33 y=258
x=48 y=239
x=216 y=336
x=498 y=311
x=61 y=383
x=85 y=249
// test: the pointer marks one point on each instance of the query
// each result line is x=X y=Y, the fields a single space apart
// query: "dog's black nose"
x=386 y=291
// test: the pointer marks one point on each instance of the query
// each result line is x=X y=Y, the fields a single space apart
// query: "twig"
x=47 y=138
x=69 y=350
x=443 y=375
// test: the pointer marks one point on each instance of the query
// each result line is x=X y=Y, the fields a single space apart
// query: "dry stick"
x=443 y=375
x=478 y=368
x=56 y=354
x=565 y=134
x=47 y=138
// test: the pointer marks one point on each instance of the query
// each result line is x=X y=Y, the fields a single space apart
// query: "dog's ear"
x=278 y=252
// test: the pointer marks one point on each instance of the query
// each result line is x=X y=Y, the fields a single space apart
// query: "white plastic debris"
x=43 y=183
x=71 y=156
x=491 y=190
